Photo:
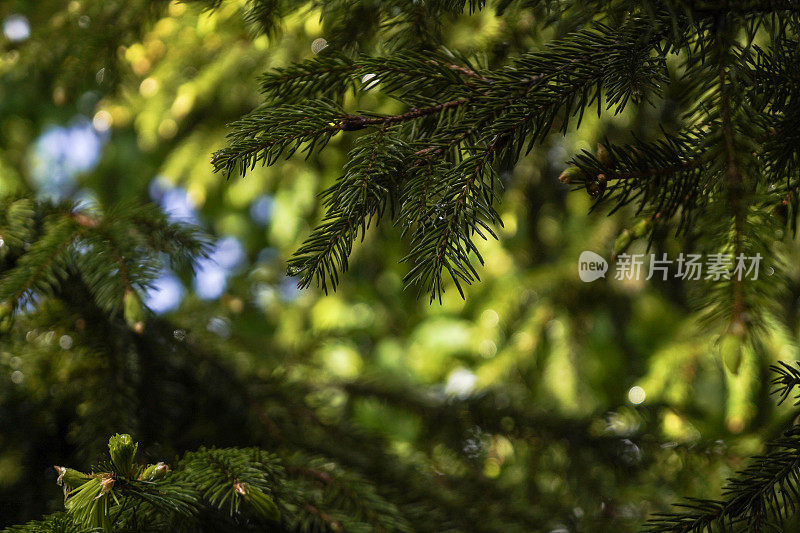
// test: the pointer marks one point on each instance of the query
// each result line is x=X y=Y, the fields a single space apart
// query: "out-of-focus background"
x=626 y=406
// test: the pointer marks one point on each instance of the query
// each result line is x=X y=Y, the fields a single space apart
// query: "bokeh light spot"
x=636 y=395
x=16 y=28
x=318 y=45
x=165 y=293
x=102 y=121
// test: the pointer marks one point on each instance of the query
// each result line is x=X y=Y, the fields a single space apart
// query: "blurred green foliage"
x=158 y=81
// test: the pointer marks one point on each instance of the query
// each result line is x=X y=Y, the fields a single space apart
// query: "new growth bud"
x=571 y=175
x=134 y=312
x=70 y=477
x=106 y=485
x=154 y=472
x=123 y=453
x=596 y=187
x=642 y=228
x=622 y=242
x=731 y=346
x=639 y=230
x=262 y=503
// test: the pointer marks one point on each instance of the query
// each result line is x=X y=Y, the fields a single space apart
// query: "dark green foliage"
x=788 y=377
x=718 y=179
x=315 y=475
x=463 y=124
x=232 y=489
x=762 y=497
x=117 y=250
x=404 y=24
x=724 y=178
x=124 y=494
x=359 y=197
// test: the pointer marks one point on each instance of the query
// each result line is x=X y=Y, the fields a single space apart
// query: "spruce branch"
x=115 y=251
x=734 y=178
x=332 y=75
x=786 y=380
x=660 y=177
x=360 y=196
x=284 y=130
x=464 y=208
x=346 y=498
x=38 y=270
x=760 y=496
x=229 y=478
x=478 y=119
x=757 y=498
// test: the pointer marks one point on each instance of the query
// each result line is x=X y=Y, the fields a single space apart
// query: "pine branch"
x=116 y=252
x=492 y=116
x=445 y=234
x=661 y=177
x=763 y=494
x=787 y=379
x=39 y=269
x=331 y=76
x=766 y=490
x=349 y=500
x=734 y=179
x=358 y=197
